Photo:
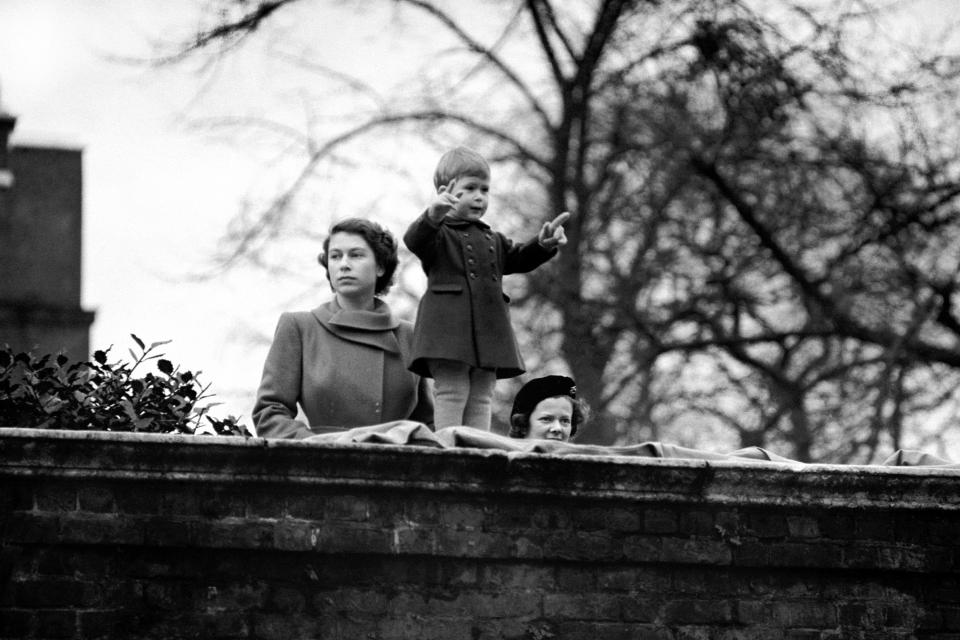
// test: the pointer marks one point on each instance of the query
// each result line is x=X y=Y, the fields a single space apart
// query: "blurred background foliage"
x=764 y=243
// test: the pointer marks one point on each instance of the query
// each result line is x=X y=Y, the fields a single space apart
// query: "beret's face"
x=551 y=419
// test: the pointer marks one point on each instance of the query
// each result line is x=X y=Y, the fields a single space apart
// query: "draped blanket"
x=407 y=432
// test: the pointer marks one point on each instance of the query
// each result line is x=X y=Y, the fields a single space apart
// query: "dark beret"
x=538 y=389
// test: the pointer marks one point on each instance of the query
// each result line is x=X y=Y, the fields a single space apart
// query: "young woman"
x=343 y=363
x=547 y=408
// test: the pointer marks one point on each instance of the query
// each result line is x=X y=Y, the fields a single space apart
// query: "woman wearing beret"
x=343 y=362
x=547 y=408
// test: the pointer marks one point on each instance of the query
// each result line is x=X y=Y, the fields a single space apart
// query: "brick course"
x=148 y=537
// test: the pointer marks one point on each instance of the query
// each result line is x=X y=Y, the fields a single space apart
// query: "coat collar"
x=456 y=222
x=373 y=328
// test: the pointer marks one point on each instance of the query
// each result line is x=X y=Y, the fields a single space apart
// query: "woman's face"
x=551 y=419
x=352 y=266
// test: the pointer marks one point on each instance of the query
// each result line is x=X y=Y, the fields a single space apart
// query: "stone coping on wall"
x=219 y=459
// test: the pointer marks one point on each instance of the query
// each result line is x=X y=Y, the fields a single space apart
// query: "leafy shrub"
x=50 y=392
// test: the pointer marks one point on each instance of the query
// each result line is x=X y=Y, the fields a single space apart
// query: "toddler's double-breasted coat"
x=463 y=314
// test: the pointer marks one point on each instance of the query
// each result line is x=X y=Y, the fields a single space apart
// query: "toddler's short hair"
x=457 y=162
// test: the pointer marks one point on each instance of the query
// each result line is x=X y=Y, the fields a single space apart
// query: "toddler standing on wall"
x=463 y=338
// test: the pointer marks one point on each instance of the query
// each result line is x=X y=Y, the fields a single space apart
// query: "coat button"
x=473 y=274
x=471 y=261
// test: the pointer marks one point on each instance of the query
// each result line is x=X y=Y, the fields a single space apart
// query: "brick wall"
x=126 y=536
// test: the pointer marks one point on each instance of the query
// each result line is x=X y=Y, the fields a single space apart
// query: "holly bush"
x=50 y=392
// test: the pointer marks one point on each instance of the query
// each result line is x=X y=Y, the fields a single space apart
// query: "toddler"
x=463 y=338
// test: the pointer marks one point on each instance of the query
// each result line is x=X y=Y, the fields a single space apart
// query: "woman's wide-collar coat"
x=344 y=368
x=463 y=314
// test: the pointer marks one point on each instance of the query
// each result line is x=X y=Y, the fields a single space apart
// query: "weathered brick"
x=351 y=601
x=907 y=558
x=105 y=623
x=139 y=498
x=414 y=539
x=836 y=525
x=232 y=533
x=31 y=527
x=578 y=578
x=354 y=539
x=304 y=506
x=56 y=497
x=527 y=547
x=659 y=521
x=641 y=548
x=638 y=607
x=211 y=502
x=804 y=613
x=56 y=623
x=693 y=580
x=51 y=592
x=295 y=535
x=287 y=600
x=167 y=532
x=16 y=623
x=424 y=512
x=696 y=522
x=580 y=606
x=803 y=527
x=695 y=550
x=506 y=604
x=15 y=495
x=402 y=627
x=352 y=508
x=589 y=518
x=473 y=544
x=577 y=630
x=950 y=618
x=263 y=505
x=768 y=525
x=638 y=578
x=550 y=518
x=698 y=612
x=169 y=596
x=271 y=626
x=875 y=526
x=467 y=517
x=106 y=528
x=96 y=498
x=238 y=597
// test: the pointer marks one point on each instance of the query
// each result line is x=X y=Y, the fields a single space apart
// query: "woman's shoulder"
x=304 y=318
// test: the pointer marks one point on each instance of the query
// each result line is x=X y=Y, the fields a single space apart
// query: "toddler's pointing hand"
x=551 y=234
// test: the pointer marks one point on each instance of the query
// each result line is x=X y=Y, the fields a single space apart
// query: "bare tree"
x=764 y=243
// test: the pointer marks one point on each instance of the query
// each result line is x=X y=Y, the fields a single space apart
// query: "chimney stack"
x=7 y=122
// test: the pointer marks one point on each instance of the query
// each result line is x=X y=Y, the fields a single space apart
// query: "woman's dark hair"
x=520 y=422
x=381 y=242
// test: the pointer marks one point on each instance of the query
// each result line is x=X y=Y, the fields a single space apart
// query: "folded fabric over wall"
x=407 y=432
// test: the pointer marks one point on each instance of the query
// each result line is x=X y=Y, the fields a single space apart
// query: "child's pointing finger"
x=559 y=220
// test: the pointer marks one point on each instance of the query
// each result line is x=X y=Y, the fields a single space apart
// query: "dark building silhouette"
x=41 y=198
